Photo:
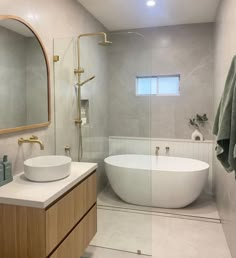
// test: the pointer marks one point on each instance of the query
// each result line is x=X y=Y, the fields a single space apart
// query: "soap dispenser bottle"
x=7 y=168
x=1 y=171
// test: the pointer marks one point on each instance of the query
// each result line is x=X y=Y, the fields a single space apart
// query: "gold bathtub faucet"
x=32 y=139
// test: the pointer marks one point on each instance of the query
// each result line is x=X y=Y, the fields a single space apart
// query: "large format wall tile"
x=225 y=49
x=51 y=19
x=184 y=50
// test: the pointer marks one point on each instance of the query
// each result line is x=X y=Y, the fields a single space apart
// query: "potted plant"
x=198 y=121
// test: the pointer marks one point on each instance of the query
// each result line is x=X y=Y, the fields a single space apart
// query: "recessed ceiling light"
x=151 y=3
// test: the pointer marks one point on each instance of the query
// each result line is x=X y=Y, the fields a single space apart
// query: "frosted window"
x=146 y=86
x=158 y=85
x=168 y=85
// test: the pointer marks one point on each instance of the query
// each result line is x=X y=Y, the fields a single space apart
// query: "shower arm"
x=80 y=69
x=94 y=34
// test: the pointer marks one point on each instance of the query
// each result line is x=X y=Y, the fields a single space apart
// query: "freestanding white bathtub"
x=158 y=181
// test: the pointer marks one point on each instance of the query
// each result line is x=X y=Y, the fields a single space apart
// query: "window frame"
x=157 y=86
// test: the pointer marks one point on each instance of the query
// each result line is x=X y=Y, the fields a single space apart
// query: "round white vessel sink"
x=47 y=168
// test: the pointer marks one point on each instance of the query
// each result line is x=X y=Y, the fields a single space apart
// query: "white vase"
x=197 y=136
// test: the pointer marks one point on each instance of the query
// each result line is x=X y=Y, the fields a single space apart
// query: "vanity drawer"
x=68 y=211
x=73 y=246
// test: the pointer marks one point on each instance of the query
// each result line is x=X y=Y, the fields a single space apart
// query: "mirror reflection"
x=23 y=77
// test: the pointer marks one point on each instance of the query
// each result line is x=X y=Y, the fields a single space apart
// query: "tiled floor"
x=123 y=229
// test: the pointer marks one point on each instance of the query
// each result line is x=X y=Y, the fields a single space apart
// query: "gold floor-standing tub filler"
x=78 y=72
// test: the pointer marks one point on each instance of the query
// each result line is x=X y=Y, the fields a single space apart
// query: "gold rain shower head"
x=105 y=43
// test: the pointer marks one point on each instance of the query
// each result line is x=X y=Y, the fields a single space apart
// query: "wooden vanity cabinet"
x=61 y=230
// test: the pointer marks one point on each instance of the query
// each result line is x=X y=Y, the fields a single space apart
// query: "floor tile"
x=179 y=238
x=125 y=231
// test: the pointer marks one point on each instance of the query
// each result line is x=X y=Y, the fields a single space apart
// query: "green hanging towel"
x=225 y=123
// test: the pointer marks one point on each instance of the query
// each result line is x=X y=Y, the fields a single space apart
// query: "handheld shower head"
x=90 y=79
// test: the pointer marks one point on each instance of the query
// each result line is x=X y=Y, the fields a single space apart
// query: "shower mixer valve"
x=157 y=150
x=78 y=121
x=167 y=150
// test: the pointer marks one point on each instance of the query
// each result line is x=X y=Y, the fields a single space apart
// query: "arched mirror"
x=24 y=77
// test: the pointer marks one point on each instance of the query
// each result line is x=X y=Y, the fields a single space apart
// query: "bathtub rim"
x=207 y=166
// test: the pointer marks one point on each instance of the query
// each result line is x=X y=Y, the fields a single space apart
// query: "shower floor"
x=124 y=230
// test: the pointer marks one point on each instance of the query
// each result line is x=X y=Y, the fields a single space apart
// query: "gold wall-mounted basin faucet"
x=32 y=139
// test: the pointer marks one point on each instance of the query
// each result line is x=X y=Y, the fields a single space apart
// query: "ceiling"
x=131 y=14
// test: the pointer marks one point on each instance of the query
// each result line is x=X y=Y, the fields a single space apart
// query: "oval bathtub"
x=158 y=181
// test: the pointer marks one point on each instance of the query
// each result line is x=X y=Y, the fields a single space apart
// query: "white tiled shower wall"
x=178 y=148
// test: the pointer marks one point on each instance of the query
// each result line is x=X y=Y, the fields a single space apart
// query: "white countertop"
x=22 y=192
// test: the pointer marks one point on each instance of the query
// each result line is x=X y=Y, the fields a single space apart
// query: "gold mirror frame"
x=33 y=126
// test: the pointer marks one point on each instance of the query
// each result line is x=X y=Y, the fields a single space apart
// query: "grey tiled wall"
x=186 y=50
